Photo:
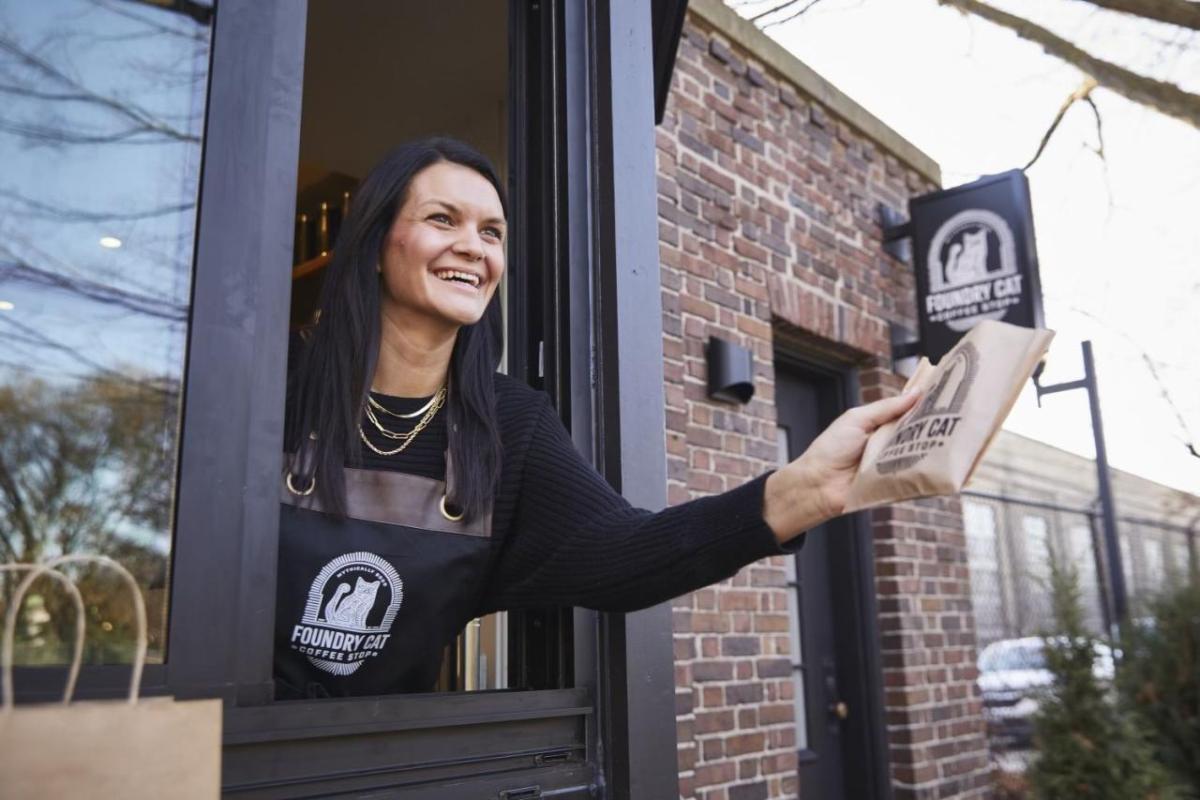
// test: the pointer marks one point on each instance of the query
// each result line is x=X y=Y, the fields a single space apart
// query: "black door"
x=838 y=711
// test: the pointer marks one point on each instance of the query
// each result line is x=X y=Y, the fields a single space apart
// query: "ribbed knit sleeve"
x=574 y=541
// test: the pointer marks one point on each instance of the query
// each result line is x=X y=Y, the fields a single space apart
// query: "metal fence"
x=1011 y=542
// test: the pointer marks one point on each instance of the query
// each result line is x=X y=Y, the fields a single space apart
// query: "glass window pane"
x=1155 y=572
x=1180 y=562
x=1082 y=557
x=987 y=593
x=100 y=136
x=1036 y=590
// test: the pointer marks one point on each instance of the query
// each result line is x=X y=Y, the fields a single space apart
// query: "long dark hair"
x=329 y=385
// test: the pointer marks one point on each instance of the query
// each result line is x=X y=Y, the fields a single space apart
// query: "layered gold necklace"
x=429 y=411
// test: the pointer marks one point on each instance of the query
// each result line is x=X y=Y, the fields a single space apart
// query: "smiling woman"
x=442 y=262
x=400 y=523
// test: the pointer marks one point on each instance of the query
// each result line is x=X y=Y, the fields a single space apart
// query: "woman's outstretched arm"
x=576 y=541
x=814 y=487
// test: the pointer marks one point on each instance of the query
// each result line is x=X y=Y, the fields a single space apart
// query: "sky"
x=1118 y=238
x=61 y=197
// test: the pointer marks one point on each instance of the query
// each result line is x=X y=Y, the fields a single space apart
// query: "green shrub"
x=1160 y=680
x=1086 y=748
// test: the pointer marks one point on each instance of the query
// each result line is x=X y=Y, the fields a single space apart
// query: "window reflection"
x=101 y=116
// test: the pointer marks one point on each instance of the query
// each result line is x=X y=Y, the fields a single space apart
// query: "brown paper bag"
x=154 y=748
x=934 y=448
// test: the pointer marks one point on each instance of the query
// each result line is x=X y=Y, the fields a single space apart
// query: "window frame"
x=611 y=730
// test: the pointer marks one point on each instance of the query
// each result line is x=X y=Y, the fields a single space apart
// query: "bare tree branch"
x=65 y=215
x=1183 y=13
x=1187 y=439
x=114 y=7
x=1163 y=97
x=144 y=122
x=156 y=307
x=161 y=388
x=1099 y=127
x=781 y=7
x=773 y=9
x=1079 y=94
x=200 y=13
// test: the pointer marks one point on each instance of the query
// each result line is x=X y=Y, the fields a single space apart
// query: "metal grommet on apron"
x=365 y=605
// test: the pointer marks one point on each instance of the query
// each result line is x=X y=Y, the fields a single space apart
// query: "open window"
x=386 y=74
x=201 y=181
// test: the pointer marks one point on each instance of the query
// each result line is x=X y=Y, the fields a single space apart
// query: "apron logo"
x=351 y=606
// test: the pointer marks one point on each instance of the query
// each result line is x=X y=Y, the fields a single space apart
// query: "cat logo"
x=973 y=271
x=351 y=607
x=932 y=424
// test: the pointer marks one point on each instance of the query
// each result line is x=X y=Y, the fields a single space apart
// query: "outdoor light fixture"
x=110 y=242
x=6 y=306
x=730 y=371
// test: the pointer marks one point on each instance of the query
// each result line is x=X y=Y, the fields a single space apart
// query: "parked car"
x=1012 y=678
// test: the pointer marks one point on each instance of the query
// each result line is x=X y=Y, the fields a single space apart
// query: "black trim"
x=223 y=585
x=541 y=655
x=667 y=18
x=638 y=697
x=876 y=776
x=860 y=679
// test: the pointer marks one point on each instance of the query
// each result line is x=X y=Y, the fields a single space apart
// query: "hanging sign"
x=975 y=259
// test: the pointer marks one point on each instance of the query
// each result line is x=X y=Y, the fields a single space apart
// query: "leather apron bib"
x=365 y=605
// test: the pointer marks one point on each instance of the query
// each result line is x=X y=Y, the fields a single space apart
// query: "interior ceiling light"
x=6 y=306
x=111 y=242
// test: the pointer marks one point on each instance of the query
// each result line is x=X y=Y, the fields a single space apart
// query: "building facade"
x=675 y=178
x=769 y=187
x=1030 y=504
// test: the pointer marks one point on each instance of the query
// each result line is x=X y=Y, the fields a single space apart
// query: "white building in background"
x=1027 y=503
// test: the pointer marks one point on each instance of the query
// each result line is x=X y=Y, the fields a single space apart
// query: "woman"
x=424 y=489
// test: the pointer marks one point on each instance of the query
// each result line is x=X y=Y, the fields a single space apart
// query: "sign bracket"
x=906 y=347
x=897 y=233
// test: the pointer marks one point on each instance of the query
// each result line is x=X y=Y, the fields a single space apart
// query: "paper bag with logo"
x=934 y=448
x=148 y=748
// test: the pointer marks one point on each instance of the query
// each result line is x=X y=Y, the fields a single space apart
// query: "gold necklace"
x=371 y=401
x=389 y=434
x=406 y=439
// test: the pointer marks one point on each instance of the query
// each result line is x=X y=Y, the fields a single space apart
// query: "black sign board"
x=975 y=259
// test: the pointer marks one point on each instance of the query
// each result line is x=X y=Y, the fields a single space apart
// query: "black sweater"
x=562 y=536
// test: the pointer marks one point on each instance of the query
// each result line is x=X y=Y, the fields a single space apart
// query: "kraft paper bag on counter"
x=137 y=748
x=934 y=448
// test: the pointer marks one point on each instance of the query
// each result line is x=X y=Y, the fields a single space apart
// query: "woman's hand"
x=814 y=487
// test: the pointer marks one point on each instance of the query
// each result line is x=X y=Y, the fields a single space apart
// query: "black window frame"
x=585 y=321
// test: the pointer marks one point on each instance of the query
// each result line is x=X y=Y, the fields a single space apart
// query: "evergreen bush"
x=1160 y=681
x=1086 y=748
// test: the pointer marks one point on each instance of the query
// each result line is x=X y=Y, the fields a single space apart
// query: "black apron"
x=365 y=605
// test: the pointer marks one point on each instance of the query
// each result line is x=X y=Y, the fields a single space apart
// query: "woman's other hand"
x=814 y=487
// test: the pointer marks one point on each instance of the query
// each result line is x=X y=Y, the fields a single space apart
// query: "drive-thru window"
x=176 y=174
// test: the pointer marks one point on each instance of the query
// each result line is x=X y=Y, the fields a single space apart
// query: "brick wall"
x=768 y=232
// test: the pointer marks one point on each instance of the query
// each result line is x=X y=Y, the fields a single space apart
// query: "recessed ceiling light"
x=111 y=242
x=6 y=306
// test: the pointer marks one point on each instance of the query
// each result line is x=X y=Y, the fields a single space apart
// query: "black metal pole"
x=1108 y=512
x=1098 y=539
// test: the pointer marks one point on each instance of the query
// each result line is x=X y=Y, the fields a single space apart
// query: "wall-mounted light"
x=6 y=306
x=110 y=242
x=730 y=371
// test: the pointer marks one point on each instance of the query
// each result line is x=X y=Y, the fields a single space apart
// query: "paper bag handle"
x=139 y=607
x=10 y=626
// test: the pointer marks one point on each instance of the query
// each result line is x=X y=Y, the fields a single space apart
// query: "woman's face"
x=444 y=254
